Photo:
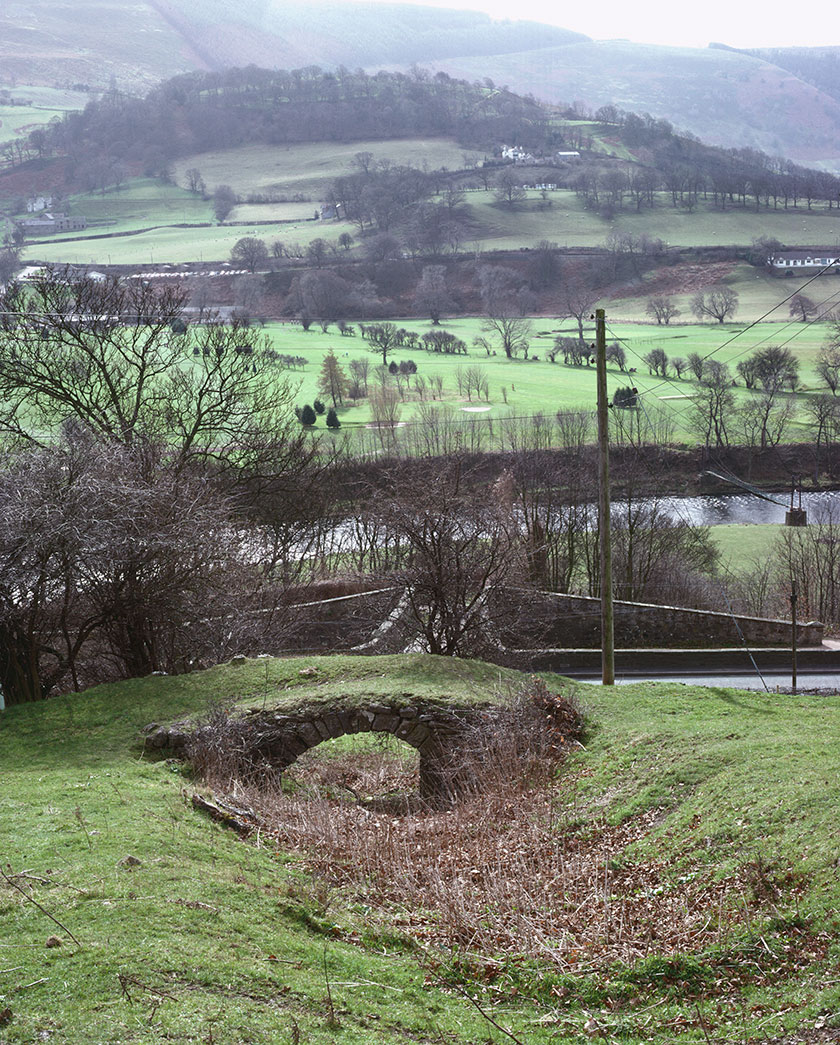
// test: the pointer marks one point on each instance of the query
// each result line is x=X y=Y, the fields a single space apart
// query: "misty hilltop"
x=784 y=101
x=42 y=41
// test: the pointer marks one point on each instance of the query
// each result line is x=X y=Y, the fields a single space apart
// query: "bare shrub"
x=225 y=753
x=516 y=744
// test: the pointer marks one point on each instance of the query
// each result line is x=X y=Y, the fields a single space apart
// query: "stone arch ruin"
x=277 y=738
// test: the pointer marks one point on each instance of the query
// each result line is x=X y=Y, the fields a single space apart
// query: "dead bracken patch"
x=515 y=866
x=679 y=279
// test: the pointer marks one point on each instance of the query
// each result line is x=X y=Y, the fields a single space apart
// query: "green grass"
x=758 y=294
x=47 y=103
x=743 y=545
x=170 y=245
x=78 y=797
x=568 y=223
x=307 y=169
x=233 y=935
x=540 y=386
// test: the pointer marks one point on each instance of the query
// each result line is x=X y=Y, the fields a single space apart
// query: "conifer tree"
x=332 y=380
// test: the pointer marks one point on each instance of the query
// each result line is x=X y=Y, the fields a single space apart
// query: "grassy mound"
x=710 y=809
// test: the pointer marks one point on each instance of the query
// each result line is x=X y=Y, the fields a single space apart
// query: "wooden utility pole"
x=793 y=598
x=607 y=639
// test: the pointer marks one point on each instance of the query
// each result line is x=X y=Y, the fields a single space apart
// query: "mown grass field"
x=741 y=546
x=524 y=387
x=169 y=244
x=696 y=795
x=568 y=223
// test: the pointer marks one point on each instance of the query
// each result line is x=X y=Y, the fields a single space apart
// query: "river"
x=724 y=509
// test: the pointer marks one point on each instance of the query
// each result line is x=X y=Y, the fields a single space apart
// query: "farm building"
x=786 y=262
x=53 y=223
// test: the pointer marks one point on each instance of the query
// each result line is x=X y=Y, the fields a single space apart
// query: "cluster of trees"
x=687 y=170
x=133 y=456
x=198 y=111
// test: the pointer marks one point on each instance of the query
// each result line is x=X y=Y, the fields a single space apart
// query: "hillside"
x=728 y=97
x=819 y=66
x=724 y=97
x=138 y=44
x=696 y=830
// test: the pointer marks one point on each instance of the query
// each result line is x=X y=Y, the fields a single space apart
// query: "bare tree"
x=657 y=362
x=718 y=302
x=712 y=406
x=828 y=365
x=359 y=369
x=462 y=545
x=803 y=307
x=250 y=252
x=578 y=299
x=508 y=188
x=195 y=182
x=103 y=355
x=382 y=337
x=112 y=563
x=432 y=296
x=823 y=412
x=224 y=200
x=662 y=309
x=499 y=286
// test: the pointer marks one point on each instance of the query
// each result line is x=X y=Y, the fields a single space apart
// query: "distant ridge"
x=140 y=43
x=724 y=96
x=784 y=101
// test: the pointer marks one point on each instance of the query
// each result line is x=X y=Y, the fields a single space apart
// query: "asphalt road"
x=775 y=682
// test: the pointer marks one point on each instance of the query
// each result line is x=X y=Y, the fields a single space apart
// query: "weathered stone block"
x=333 y=723
x=322 y=728
x=309 y=734
x=386 y=723
x=417 y=736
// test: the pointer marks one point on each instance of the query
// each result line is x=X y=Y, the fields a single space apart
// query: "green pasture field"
x=540 y=386
x=308 y=169
x=150 y=213
x=743 y=545
x=759 y=293
x=490 y=225
x=171 y=245
x=47 y=103
x=568 y=223
x=144 y=202
x=206 y=937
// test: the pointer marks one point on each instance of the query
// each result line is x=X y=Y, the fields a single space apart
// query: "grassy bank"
x=717 y=802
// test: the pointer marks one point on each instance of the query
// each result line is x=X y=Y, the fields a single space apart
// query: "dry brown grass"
x=510 y=868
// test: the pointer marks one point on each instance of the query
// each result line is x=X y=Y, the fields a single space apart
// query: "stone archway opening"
x=375 y=770
x=262 y=745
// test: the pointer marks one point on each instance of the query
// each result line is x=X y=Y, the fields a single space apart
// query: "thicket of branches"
x=161 y=507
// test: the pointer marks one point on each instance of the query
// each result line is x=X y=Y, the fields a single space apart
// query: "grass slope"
x=212 y=939
x=305 y=171
x=229 y=934
x=308 y=168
